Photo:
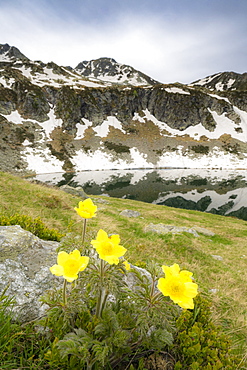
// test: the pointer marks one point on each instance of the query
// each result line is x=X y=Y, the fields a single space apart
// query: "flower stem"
x=64 y=292
x=84 y=230
x=103 y=293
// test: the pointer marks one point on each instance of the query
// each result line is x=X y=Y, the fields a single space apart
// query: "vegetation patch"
x=118 y=148
x=201 y=149
x=35 y=226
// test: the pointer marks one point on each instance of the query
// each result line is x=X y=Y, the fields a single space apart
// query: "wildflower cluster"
x=101 y=320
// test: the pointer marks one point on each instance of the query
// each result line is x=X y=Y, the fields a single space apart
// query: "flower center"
x=71 y=267
x=107 y=248
x=177 y=288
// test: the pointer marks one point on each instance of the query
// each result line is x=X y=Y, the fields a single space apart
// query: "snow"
x=99 y=159
x=219 y=97
x=217 y=159
x=5 y=58
x=176 y=90
x=56 y=80
x=49 y=125
x=14 y=117
x=26 y=142
x=230 y=83
x=82 y=128
x=206 y=80
x=223 y=125
x=103 y=129
x=220 y=86
x=41 y=160
x=6 y=82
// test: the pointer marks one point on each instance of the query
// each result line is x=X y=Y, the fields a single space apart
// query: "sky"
x=169 y=40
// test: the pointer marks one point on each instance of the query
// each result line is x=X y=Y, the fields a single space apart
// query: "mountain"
x=107 y=69
x=10 y=53
x=105 y=115
x=226 y=81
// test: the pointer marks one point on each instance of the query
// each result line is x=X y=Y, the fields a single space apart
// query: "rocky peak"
x=107 y=69
x=10 y=53
x=224 y=81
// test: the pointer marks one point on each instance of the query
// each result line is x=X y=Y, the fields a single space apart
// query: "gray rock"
x=129 y=213
x=213 y=291
x=219 y=258
x=164 y=229
x=24 y=268
x=203 y=231
x=78 y=191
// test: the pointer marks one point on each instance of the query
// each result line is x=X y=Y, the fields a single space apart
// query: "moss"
x=199 y=343
x=35 y=226
x=119 y=148
x=202 y=149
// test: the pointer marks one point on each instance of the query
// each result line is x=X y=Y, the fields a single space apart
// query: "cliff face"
x=55 y=118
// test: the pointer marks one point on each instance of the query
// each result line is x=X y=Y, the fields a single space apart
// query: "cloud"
x=169 y=45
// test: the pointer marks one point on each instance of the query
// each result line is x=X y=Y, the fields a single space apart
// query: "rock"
x=213 y=291
x=219 y=258
x=78 y=191
x=164 y=229
x=24 y=268
x=203 y=231
x=130 y=213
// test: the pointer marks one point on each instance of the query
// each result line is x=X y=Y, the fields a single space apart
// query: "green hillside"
x=224 y=280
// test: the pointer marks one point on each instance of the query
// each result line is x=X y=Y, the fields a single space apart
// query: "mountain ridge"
x=100 y=116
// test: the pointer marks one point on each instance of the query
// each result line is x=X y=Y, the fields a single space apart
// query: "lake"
x=222 y=192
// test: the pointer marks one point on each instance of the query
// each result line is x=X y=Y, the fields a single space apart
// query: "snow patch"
x=41 y=161
x=82 y=128
x=176 y=90
x=103 y=129
x=6 y=82
x=49 y=125
x=99 y=159
x=14 y=117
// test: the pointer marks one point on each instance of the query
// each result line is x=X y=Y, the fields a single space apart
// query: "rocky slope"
x=104 y=115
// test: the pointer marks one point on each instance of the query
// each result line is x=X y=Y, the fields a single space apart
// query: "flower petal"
x=115 y=238
x=187 y=304
x=83 y=262
x=171 y=270
x=57 y=270
x=111 y=259
x=191 y=289
x=70 y=278
x=162 y=286
x=62 y=258
x=75 y=254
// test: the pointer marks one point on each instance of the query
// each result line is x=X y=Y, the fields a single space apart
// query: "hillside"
x=106 y=115
x=218 y=261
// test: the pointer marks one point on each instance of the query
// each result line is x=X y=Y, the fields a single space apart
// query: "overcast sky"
x=169 y=40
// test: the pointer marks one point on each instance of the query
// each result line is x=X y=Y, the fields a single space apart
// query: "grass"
x=227 y=277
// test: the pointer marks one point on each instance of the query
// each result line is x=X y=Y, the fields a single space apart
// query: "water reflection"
x=221 y=192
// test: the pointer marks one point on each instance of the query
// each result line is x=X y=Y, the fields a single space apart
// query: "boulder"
x=130 y=213
x=78 y=191
x=24 y=269
x=164 y=229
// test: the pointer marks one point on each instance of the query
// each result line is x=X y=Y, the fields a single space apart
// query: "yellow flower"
x=126 y=265
x=178 y=286
x=69 y=265
x=86 y=208
x=108 y=248
x=175 y=270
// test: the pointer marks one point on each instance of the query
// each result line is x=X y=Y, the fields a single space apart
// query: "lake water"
x=221 y=192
